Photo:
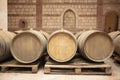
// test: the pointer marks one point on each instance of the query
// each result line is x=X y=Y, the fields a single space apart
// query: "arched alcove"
x=111 y=21
x=69 y=19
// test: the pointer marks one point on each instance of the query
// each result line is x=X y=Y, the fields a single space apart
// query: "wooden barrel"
x=116 y=39
x=115 y=34
x=17 y=32
x=62 y=46
x=78 y=34
x=5 y=39
x=95 y=45
x=45 y=34
x=28 y=46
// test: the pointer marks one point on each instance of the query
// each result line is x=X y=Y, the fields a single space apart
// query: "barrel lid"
x=62 y=46
x=98 y=46
x=26 y=47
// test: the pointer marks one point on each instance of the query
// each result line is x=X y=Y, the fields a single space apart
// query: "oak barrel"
x=62 y=46
x=116 y=39
x=47 y=35
x=78 y=34
x=5 y=39
x=114 y=34
x=28 y=46
x=18 y=31
x=95 y=45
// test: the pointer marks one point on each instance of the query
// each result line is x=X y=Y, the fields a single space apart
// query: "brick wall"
x=19 y=10
x=85 y=12
x=51 y=15
x=111 y=6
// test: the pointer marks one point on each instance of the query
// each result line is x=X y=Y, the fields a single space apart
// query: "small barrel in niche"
x=95 y=45
x=116 y=39
x=62 y=46
x=28 y=46
x=5 y=39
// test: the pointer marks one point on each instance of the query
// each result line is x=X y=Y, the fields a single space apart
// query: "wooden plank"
x=77 y=66
x=47 y=70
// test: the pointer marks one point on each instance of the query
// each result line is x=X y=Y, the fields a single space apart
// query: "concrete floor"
x=41 y=76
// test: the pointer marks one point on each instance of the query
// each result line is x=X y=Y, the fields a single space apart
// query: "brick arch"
x=69 y=19
x=111 y=19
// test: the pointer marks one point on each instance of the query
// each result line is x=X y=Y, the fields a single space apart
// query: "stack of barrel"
x=93 y=45
x=25 y=46
x=30 y=45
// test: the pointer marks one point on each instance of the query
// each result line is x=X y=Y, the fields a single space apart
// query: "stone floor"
x=41 y=76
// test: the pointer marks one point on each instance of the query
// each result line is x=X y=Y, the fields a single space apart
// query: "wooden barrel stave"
x=113 y=35
x=45 y=34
